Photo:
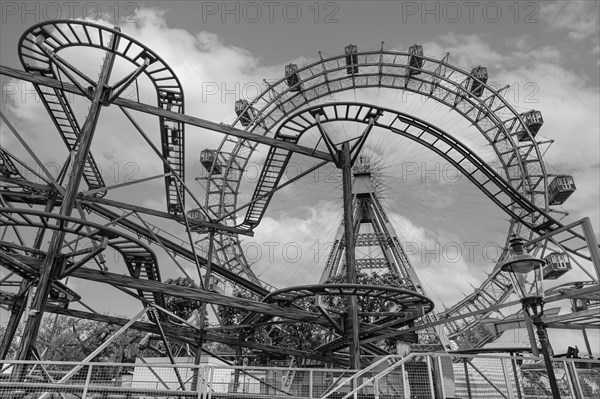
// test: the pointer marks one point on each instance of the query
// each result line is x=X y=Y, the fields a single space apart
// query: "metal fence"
x=422 y=376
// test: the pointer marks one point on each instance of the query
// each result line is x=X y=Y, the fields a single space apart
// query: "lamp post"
x=528 y=286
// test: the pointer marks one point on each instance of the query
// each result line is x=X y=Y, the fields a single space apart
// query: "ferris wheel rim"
x=515 y=225
x=495 y=94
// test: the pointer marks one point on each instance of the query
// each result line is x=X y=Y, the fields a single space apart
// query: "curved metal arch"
x=306 y=119
x=233 y=154
x=138 y=256
x=393 y=294
x=263 y=114
x=453 y=151
x=62 y=34
x=411 y=306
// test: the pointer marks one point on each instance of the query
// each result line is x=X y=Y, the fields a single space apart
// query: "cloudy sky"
x=547 y=51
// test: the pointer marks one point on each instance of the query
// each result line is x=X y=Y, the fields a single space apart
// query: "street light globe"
x=519 y=266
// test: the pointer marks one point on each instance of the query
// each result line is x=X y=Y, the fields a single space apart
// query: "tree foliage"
x=366 y=304
x=305 y=336
x=64 y=338
x=182 y=307
x=70 y=339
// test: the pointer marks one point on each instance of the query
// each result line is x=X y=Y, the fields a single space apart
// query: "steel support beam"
x=184 y=333
x=176 y=247
x=48 y=270
x=590 y=237
x=174 y=116
x=353 y=327
x=199 y=295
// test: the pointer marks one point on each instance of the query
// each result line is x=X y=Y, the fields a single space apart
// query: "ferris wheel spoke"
x=511 y=135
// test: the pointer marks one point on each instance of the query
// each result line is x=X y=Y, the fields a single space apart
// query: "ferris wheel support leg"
x=353 y=325
x=53 y=259
x=588 y=231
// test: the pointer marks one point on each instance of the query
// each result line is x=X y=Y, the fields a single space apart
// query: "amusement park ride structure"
x=277 y=118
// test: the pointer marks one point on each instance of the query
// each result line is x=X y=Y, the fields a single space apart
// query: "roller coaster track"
x=522 y=192
x=38 y=50
x=497 y=288
x=139 y=259
x=490 y=113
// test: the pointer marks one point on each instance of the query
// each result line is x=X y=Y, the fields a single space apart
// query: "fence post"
x=310 y=383
x=430 y=375
x=574 y=377
x=405 y=383
x=509 y=388
x=199 y=375
x=516 y=376
x=466 y=366
x=209 y=381
x=441 y=380
x=88 y=377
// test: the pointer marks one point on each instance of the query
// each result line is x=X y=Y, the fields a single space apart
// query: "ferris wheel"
x=283 y=116
x=522 y=186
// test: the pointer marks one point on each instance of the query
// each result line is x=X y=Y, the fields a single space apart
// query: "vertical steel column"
x=541 y=331
x=202 y=315
x=52 y=260
x=86 y=385
x=588 y=231
x=353 y=324
x=505 y=370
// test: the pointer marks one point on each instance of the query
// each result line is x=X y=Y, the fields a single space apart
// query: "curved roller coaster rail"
x=278 y=117
x=284 y=108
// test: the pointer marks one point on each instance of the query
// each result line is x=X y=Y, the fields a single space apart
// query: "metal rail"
x=38 y=50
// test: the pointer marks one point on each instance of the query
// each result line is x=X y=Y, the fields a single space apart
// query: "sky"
x=548 y=52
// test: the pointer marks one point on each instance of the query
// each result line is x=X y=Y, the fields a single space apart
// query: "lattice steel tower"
x=379 y=253
x=372 y=228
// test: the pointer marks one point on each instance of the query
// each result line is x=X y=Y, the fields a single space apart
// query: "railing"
x=40 y=380
x=420 y=375
x=441 y=375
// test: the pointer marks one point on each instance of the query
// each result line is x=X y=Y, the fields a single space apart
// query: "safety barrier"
x=421 y=375
x=441 y=375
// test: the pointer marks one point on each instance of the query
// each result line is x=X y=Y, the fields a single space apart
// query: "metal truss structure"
x=521 y=189
x=35 y=210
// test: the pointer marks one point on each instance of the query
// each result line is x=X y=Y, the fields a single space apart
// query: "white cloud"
x=579 y=18
x=290 y=249
x=204 y=64
x=466 y=51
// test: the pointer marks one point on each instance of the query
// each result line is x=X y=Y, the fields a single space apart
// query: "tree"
x=182 y=307
x=71 y=339
x=300 y=336
x=66 y=338
x=366 y=304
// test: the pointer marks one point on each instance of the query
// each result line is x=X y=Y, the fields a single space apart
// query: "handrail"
x=360 y=373
x=434 y=376
x=382 y=373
